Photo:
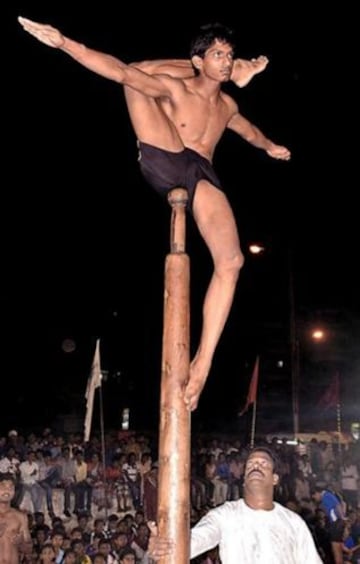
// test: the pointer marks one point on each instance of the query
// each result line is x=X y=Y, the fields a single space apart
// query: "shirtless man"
x=15 y=539
x=178 y=122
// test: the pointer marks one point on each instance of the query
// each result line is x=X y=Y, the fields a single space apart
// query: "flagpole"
x=94 y=381
x=252 y=400
x=339 y=425
x=103 y=452
x=253 y=424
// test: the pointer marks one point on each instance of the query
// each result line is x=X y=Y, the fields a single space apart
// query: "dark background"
x=84 y=237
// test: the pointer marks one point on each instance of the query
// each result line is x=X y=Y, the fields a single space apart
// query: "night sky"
x=84 y=237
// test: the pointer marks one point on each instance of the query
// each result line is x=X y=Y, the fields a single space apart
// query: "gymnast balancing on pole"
x=179 y=113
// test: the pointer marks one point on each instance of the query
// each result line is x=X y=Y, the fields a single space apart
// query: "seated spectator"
x=127 y=556
x=351 y=550
x=47 y=554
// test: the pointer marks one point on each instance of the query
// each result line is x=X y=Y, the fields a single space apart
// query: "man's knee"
x=236 y=262
x=231 y=265
x=240 y=260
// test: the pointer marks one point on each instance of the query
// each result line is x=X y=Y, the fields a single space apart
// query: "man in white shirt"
x=252 y=530
x=29 y=476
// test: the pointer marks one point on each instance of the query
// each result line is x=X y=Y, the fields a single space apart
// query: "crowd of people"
x=82 y=503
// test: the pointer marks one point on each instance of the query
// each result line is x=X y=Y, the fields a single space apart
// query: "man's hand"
x=43 y=32
x=158 y=546
x=279 y=152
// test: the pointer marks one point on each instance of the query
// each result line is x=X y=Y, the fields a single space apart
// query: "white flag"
x=94 y=381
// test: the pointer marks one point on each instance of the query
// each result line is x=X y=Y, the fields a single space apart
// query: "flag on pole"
x=252 y=393
x=94 y=381
x=331 y=396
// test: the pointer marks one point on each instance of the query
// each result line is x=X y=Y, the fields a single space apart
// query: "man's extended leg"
x=217 y=226
x=245 y=70
x=150 y=123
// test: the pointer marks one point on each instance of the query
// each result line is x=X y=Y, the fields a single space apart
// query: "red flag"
x=252 y=393
x=331 y=396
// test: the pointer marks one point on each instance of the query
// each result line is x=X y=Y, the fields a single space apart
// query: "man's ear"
x=197 y=61
x=276 y=479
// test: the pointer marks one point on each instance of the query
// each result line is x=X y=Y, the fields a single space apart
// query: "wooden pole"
x=174 y=441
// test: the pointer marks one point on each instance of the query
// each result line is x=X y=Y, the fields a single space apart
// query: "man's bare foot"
x=245 y=70
x=195 y=385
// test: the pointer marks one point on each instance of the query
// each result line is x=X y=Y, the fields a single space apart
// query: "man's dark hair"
x=127 y=551
x=103 y=541
x=98 y=555
x=317 y=489
x=7 y=477
x=207 y=35
x=321 y=489
x=270 y=453
x=113 y=517
x=58 y=530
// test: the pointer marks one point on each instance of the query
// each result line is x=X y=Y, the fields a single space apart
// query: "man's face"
x=259 y=468
x=128 y=559
x=47 y=553
x=217 y=62
x=7 y=490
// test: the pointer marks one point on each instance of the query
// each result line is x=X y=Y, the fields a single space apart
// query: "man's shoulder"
x=172 y=81
x=286 y=511
x=229 y=507
x=16 y=514
x=229 y=103
x=329 y=496
x=289 y=515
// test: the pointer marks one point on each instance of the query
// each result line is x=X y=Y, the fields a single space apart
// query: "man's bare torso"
x=199 y=119
x=199 y=114
x=11 y=535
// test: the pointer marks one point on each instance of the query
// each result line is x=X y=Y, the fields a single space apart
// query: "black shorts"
x=336 y=531
x=165 y=170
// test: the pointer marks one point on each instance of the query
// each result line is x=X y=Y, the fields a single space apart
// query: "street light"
x=318 y=335
x=258 y=248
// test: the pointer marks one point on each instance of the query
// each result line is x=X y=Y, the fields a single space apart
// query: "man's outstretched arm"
x=101 y=63
x=252 y=134
x=243 y=70
x=176 y=68
x=112 y=68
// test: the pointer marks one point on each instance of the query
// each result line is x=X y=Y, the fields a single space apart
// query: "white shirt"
x=251 y=536
x=349 y=477
x=29 y=473
x=9 y=465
